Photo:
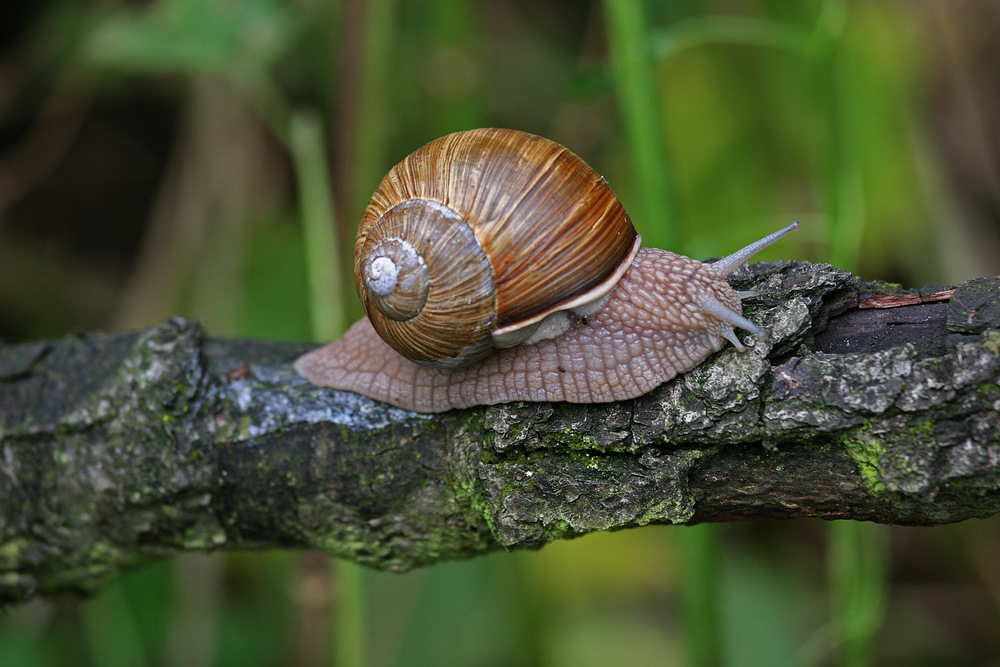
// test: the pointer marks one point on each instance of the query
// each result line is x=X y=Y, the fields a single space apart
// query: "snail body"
x=496 y=266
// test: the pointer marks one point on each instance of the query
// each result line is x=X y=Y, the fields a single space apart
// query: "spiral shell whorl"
x=397 y=279
x=415 y=248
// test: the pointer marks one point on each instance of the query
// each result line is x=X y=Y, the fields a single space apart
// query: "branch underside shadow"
x=869 y=402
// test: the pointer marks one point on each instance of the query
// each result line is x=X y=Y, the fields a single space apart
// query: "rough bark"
x=870 y=402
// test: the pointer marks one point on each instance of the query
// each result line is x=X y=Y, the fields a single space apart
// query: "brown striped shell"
x=479 y=239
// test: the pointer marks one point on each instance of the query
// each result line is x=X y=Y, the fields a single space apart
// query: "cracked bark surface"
x=870 y=402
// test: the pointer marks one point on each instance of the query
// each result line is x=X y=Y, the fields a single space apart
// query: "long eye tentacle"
x=730 y=263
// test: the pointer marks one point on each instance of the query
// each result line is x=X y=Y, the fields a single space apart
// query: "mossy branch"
x=870 y=402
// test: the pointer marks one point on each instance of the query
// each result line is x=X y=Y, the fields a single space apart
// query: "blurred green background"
x=211 y=158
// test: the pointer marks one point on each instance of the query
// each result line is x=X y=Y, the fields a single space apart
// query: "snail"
x=497 y=266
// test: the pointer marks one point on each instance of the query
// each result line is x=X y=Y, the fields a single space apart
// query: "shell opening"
x=533 y=329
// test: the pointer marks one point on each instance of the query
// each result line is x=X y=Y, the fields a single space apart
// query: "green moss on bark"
x=117 y=450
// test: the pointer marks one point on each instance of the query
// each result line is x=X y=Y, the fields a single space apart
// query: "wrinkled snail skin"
x=654 y=326
x=497 y=266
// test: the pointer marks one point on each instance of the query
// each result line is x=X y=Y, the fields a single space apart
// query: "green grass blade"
x=350 y=606
x=703 y=636
x=373 y=102
x=112 y=635
x=746 y=30
x=632 y=70
x=859 y=562
x=307 y=143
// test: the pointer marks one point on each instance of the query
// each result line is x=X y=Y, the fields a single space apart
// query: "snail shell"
x=490 y=238
x=484 y=239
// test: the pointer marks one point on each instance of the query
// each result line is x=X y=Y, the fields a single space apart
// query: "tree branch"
x=870 y=402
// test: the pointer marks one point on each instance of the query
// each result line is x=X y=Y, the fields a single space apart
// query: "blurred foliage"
x=160 y=157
